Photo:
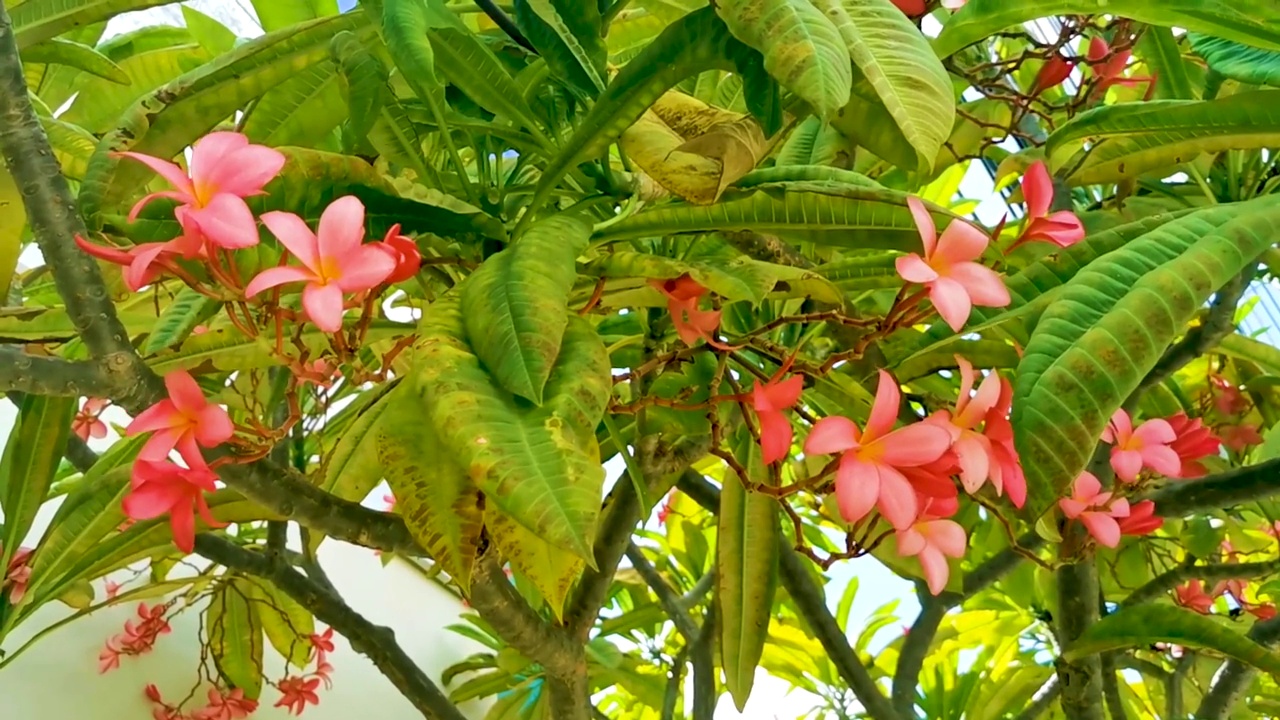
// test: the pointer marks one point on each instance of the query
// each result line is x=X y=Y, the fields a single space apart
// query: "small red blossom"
x=1142 y=519
x=1052 y=73
x=1239 y=437
x=185 y=421
x=231 y=706
x=404 y=251
x=1061 y=228
x=692 y=324
x=770 y=401
x=86 y=424
x=1192 y=443
x=17 y=576
x=160 y=488
x=296 y=693
x=1191 y=595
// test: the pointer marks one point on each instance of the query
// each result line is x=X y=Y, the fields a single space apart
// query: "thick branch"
x=1111 y=687
x=812 y=604
x=55 y=221
x=375 y=642
x=1246 y=484
x=508 y=26
x=1081 y=680
x=50 y=376
x=914 y=649
x=1234 y=678
x=501 y=605
x=702 y=657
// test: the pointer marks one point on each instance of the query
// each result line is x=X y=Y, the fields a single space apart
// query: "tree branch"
x=50 y=376
x=1166 y=581
x=812 y=604
x=702 y=657
x=667 y=598
x=506 y=24
x=1042 y=701
x=1234 y=677
x=375 y=642
x=1081 y=680
x=1246 y=484
x=55 y=221
x=914 y=649
x=501 y=605
x=1111 y=687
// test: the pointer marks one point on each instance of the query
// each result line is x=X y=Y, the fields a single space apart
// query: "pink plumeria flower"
x=955 y=282
x=1147 y=446
x=231 y=706
x=973 y=449
x=1096 y=509
x=225 y=169
x=334 y=260
x=770 y=401
x=110 y=588
x=932 y=540
x=298 y=692
x=1191 y=595
x=185 y=420
x=999 y=432
x=1062 y=228
x=162 y=487
x=17 y=576
x=868 y=475
x=86 y=423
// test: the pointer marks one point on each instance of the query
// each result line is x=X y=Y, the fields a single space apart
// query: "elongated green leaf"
x=865 y=218
x=802 y=48
x=530 y=464
x=1239 y=346
x=303 y=110
x=13 y=220
x=101 y=102
x=813 y=143
x=309 y=181
x=902 y=69
x=225 y=348
x=979 y=19
x=1130 y=139
x=168 y=119
x=187 y=310
x=746 y=572
x=287 y=624
x=35 y=21
x=1160 y=51
x=696 y=42
x=515 y=306
x=352 y=470
x=1143 y=625
x=551 y=570
x=1249 y=65
x=30 y=462
x=364 y=83
x=803 y=174
x=57 y=51
x=567 y=33
x=212 y=35
x=276 y=15
x=85 y=517
x=235 y=638
x=442 y=508
x=1110 y=324
x=72 y=145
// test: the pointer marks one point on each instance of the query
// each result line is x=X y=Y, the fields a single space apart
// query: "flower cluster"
x=138 y=637
x=1192 y=595
x=299 y=691
x=222 y=705
x=17 y=575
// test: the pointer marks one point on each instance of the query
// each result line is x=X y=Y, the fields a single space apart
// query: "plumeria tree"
x=479 y=253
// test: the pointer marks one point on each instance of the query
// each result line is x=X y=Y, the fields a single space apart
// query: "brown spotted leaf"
x=551 y=570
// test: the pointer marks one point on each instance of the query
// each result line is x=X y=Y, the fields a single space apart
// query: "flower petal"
x=151 y=500
x=213 y=426
x=273 y=277
x=775 y=435
x=1162 y=459
x=1103 y=528
x=951 y=301
x=323 y=304
x=211 y=151
x=341 y=228
x=1087 y=488
x=1037 y=189
x=935 y=570
x=364 y=268
x=182 y=522
x=911 y=542
x=897 y=499
x=1071 y=507
x=245 y=171
x=913 y=268
x=1127 y=464
x=167 y=170
x=984 y=286
x=830 y=435
x=924 y=224
x=884 y=410
x=227 y=221
x=185 y=393
x=961 y=242
x=914 y=445
x=857 y=488
x=974 y=454
x=157 y=417
x=294 y=234
x=949 y=537
x=784 y=394
x=1155 y=432
x=142 y=270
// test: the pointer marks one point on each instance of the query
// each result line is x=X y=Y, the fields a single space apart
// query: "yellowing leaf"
x=550 y=569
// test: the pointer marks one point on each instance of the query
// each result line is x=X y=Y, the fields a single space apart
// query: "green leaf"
x=235 y=638
x=533 y=465
x=101 y=102
x=980 y=19
x=72 y=146
x=29 y=464
x=287 y=624
x=567 y=34
x=747 y=542
x=364 y=82
x=1110 y=324
x=802 y=47
x=352 y=469
x=35 y=21
x=212 y=35
x=803 y=174
x=863 y=217
x=274 y=15
x=895 y=58
x=1239 y=62
x=57 y=51
x=302 y=110
x=165 y=121
x=1159 y=50
x=1143 y=625
x=1130 y=139
x=696 y=42
x=515 y=306
x=440 y=505
x=225 y=348
x=551 y=570
x=13 y=220
x=812 y=143
x=187 y=310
